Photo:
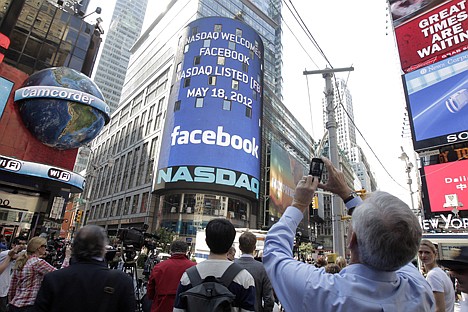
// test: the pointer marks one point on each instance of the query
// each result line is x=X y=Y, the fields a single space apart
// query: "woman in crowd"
x=29 y=270
x=440 y=282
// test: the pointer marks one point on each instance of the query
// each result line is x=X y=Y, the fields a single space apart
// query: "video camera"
x=133 y=239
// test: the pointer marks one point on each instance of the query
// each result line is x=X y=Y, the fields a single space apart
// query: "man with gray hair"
x=87 y=284
x=383 y=238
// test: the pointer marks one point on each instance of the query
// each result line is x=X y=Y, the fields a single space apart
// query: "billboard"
x=447 y=186
x=403 y=10
x=435 y=35
x=212 y=131
x=285 y=173
x=437 y=96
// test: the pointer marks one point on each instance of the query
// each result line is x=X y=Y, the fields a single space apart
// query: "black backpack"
x=210 y=294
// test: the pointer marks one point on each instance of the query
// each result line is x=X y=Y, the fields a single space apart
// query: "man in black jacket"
x=87 y=284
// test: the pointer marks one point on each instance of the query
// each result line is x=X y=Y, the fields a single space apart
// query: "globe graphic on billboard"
x=62 y=107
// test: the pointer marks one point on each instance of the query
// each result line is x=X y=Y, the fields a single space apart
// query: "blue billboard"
x=212 y=132
x=437 y=98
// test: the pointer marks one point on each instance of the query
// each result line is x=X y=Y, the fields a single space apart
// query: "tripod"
x=131 y=269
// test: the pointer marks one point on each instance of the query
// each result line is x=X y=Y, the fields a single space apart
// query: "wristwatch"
x=351 y=196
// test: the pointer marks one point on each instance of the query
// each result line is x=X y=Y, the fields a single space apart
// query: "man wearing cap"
x=458 y=267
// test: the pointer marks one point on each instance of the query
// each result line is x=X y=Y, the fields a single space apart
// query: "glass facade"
x=143 y=105
x=46 y=36
x=127 y=21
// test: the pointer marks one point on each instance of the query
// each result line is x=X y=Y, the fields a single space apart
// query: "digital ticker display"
x=437 y=98
x=212 y=132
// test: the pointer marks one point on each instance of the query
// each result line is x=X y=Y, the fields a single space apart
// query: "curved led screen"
x=212 y=132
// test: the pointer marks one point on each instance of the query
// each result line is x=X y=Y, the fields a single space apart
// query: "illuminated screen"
x=439 y=33
x=212 y=133
x=447 y=186
x=285 y=172
x=437 y=98
x=5 y=90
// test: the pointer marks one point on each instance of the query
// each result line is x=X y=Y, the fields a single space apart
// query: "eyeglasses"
x=44 y=246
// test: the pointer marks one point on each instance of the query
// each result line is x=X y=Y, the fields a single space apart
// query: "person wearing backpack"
x=216 y=284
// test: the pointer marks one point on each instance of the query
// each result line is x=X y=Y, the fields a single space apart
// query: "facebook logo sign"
x=215 y=107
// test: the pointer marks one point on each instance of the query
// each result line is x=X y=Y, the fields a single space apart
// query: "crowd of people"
x=383 y=239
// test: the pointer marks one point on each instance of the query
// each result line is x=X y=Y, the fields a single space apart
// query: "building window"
x=245 y=68
x=196 y=60
x=232 y=45
x=177 y=106
x=194 y=30
x=221 y=60
x=218 y=27
x=248 y=112
x=199 y=102
x=212 y=80
x=207 y=43
x=227 y=105
x=186 y=48
x=235 y=84
x=186 y=82
x=238 y=32
x=179 y=67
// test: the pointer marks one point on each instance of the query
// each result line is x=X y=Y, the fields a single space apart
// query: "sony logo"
x=462 y=136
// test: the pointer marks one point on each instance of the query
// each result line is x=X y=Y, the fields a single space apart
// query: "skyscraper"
x=126 y=25
x=123 y=193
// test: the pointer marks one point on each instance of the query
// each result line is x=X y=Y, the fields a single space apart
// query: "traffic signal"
x=315 y=204
x=78 y=216
x=361 y=193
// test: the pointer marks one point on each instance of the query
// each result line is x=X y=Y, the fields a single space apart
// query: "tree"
x=165 y=238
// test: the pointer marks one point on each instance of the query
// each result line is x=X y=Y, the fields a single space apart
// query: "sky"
x=349 y=35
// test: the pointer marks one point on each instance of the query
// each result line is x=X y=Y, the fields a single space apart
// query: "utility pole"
x=337 y=209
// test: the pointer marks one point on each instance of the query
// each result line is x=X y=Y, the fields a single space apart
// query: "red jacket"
x=164 y=280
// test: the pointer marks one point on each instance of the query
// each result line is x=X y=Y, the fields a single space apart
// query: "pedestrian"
x=220 y=234
x=441 y=284
x=383 y=238
x=264 y=300
x=341 y=261
x=165 y=277
x=231 y=254
x=458 y=266
x=29 y=270
x=332 y=268
x=7 y=260
x=87 y=284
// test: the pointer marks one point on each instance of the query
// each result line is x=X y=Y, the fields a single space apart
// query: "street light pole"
x=408 y=167
x=331 y=126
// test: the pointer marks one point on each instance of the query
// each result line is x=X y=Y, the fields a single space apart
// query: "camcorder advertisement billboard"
x=212 y=132
x=285 y=173
x=435 y=35
x=437 y=98
x=447 y=186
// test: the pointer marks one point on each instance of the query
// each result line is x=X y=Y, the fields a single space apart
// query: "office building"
x=126 y=155
x=126 y=24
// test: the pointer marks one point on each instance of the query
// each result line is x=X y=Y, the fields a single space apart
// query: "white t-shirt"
x=5 y=277
x=441 y=282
